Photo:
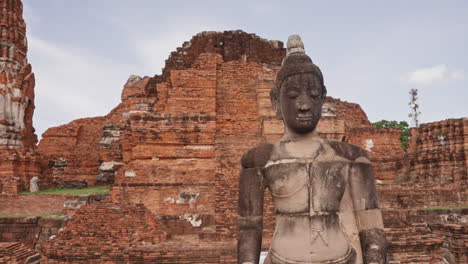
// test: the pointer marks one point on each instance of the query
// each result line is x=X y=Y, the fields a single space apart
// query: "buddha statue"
x=311 y=180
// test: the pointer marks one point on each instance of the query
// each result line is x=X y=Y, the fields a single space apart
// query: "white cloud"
x=428 y=75
x=434 y=74
x=154 y=50
x=65 y=78
x=152 y=45
x=458 y=75
x=73 y=83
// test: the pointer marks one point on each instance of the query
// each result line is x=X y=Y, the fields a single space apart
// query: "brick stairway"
x=16 y=252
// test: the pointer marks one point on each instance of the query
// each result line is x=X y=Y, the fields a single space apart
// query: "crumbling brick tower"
x=17 y=138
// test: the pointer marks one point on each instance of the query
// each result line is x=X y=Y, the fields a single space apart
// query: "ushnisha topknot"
x=295 y=62
x=294 y=45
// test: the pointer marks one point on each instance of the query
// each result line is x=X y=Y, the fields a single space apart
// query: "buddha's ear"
x=324 y=93
x=279 y=115
x=274 y=98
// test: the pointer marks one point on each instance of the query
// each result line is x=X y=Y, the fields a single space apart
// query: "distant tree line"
x=402 y=125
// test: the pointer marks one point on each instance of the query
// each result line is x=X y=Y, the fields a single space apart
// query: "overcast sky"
x=371 y=52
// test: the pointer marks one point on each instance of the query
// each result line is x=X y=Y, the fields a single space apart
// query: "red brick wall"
x=166 y=252
x=17 y=167
x=42 y=204
x=411 y=241
x=438 y=153
x=402 y=218
x=426 y=236
x=455 y=235
x=104 y=231
x=33 y=204
x=383 y=147
x=419 y=196
x=231 y=45
x=71 y=152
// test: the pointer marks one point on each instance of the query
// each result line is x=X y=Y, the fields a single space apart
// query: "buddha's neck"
x=292 y=136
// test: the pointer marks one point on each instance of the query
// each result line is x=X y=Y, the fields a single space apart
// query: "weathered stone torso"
x=307 y=187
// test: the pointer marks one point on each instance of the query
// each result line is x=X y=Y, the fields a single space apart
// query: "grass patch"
x=52 y=216
x=46 y=216
x=90 y=190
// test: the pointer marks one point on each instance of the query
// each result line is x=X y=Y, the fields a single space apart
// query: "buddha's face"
x=301 y=102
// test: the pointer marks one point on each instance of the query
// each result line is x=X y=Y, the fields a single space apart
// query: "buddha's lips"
x=305 y=118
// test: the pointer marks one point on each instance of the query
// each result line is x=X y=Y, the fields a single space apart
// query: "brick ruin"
x=108 y=227
x=426 y=236
x=175 y=141
x=18 y=161
x=91 y=150
x=435 y=173
x=171 y=150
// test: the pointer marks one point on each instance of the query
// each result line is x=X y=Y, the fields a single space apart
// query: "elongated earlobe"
x=274 y=98
x=279 y=115
x=324 y=93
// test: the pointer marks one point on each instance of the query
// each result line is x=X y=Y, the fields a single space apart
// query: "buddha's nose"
x=303 y=106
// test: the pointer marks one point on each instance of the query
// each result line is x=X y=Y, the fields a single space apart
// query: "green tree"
x=402 y=125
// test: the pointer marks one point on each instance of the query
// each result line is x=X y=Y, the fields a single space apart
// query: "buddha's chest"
x=306 y=186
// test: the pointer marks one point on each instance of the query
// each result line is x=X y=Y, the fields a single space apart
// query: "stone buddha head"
x=299 y=90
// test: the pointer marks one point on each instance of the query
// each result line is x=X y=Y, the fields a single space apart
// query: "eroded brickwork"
x=102 y=232
x=174 y=145
x=434 y=172
x=192 y=252
x=16 y=78
x=88 y=151
x=45 y=204
x=455 y=236
x=426 y=236
x=383 y=146
x=438 y=152
x=71 y=152
x=31 y=231
x=32 y=204
x=18 y=162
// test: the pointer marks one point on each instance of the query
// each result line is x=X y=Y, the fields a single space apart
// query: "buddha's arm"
x=251 y=191
x=368 y=216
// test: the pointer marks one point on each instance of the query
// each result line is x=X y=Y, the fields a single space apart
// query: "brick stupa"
x=18 y=161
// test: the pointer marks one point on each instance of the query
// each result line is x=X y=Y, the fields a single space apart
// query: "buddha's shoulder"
x=257 y=157
x=347 y=150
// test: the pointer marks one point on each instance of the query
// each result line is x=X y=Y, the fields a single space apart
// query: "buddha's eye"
x=314 y=93
x=292 y=94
